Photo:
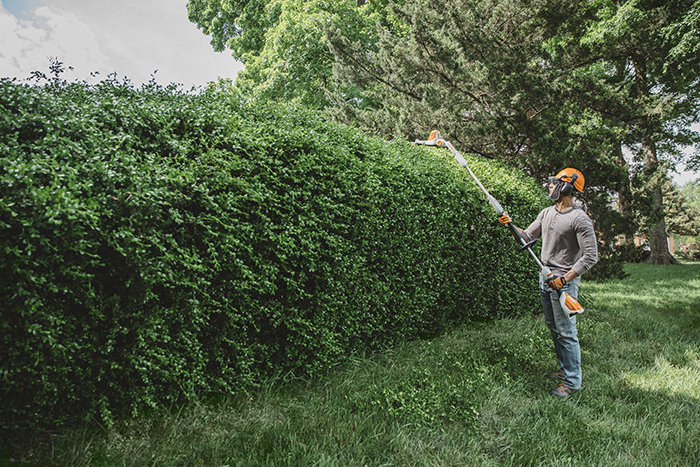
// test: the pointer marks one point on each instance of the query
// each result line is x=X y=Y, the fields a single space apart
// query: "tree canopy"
x=283 y=45
x=683 y=215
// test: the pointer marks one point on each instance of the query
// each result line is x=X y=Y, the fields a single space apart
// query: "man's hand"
x=557 y=283
x=504 y=219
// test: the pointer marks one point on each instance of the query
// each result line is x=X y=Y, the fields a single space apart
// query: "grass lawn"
x=476 y=396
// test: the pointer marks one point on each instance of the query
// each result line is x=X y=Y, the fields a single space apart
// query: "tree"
x=294 y=63
x=489 y=75
x=685 y=35
x=238 y=25
x=691 y=192
x=283 y=46
x=661 y=97
x=686 y=202
x=541 y=83
x=683 y=218
x=451 y=67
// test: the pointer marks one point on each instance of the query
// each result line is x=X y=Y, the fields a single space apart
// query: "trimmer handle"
x=528 y=245
x=549 y=275
x=517 y=236
x=515 y=232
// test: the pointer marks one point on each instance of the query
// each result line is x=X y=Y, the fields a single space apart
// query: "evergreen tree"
x=544 y=84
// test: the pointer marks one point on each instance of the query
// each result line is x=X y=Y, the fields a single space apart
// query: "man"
x=569 y=248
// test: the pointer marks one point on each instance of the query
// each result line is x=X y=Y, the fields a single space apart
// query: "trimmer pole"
x=570 y=304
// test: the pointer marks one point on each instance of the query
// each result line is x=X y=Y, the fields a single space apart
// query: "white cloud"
x=72 y=40
x=27 y=44
x=19 y=44
x=133 y=38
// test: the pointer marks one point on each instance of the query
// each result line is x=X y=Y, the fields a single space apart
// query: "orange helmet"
x=565 y=182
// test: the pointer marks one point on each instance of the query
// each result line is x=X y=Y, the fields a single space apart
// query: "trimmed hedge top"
x=158 y=245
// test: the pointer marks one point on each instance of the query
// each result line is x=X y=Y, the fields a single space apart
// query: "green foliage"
x=473 y=396
x=239 y=25
x=682 y=217
x=687 y=199
x=295 y=63
x=404 y=68
x=158 y=245
x=561 y=83
x=284 y=47
x=691 y=192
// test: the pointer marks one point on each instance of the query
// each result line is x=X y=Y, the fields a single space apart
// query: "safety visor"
x=554 y=193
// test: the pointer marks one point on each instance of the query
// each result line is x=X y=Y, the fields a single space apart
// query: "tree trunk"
x=624 y=198
x=658 y=242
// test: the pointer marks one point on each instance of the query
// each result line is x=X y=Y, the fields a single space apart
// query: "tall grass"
x=476 y=396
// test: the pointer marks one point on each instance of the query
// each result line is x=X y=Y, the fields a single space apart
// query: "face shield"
x=554 y=188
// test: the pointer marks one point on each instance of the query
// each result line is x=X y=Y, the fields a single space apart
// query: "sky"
x=133 y=38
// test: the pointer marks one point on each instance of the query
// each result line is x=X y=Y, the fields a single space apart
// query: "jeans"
x=564 y=332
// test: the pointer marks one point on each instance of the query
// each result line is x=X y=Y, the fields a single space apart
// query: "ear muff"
x=568 y=187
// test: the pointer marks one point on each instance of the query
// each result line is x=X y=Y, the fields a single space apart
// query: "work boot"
x=561 y=391
x=556 y=375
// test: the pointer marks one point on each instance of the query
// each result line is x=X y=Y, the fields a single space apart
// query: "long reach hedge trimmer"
x=568 y=303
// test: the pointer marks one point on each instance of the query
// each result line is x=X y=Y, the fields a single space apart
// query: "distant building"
x=640 y=240
x=685 y=248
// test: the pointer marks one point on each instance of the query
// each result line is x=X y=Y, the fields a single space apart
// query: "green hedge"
x=158 y=245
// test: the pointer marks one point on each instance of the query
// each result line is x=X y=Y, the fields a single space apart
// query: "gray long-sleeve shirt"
x=568 y=239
